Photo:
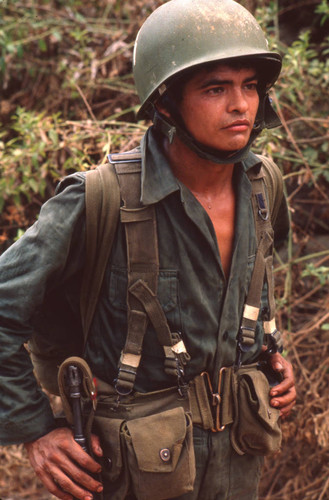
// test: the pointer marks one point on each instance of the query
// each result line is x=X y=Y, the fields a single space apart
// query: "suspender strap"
x=251 y=307
x=274 y=183
x=153 y=309
x=262 y=268
x=143 y=270
x=102 y=214
x=142 y=263
x=173 y=346
x=255 y=288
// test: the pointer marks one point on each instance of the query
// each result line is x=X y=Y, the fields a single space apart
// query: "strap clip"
x=262 y=208
x=274 y=342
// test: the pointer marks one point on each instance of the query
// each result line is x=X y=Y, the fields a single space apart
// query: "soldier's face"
x=219 y=106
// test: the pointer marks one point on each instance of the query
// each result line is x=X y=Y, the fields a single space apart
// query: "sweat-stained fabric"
x=197 y=299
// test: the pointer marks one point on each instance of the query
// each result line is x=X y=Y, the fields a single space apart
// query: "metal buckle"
x=265 y=216
x=262 y=208
x=119 y=380
x=216 y=399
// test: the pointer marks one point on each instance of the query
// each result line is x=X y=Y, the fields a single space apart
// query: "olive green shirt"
x=196 y=297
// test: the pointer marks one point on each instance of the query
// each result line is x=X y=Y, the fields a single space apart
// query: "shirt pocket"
x=167 y=289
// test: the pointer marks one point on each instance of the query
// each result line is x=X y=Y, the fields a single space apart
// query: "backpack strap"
x=102 y=214
x=267 y=192
x=274 y=185
x=143 y=270
x=274 y=188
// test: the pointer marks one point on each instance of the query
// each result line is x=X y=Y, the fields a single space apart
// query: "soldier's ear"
x=161 y=108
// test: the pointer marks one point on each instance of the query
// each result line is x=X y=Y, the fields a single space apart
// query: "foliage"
x=45 y=147
x=67 y=96
x=320 y=272
x=323 y=9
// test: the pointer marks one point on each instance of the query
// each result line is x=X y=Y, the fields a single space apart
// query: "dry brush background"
x=67 y=98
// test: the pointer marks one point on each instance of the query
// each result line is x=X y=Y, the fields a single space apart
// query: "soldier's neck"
x=196 y=173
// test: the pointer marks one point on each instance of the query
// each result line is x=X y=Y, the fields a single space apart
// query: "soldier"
x=203 y=71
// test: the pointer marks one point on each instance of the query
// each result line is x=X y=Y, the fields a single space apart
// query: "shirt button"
x=225 y=335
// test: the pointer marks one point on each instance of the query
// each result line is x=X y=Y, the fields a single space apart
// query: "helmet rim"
x=272 y=60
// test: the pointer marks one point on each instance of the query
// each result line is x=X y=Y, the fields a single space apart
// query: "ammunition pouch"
x=256 y=426
x=147 y=444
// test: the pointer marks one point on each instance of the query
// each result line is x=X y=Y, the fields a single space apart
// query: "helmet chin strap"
x=266 y=118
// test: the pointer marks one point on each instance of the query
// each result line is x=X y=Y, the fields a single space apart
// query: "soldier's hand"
x=63 y=466
x=283 y=395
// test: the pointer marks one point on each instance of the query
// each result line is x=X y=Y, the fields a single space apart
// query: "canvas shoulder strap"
x=267 y=192
x=140 y=226
x=274 y=185
x=102 y=214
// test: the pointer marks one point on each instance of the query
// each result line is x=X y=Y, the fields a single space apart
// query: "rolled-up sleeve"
x=49 y=253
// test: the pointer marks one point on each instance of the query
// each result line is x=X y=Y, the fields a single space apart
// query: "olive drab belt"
x=210 y=410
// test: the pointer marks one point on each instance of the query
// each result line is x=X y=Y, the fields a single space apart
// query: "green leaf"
x=53 y=136
x=42 y=45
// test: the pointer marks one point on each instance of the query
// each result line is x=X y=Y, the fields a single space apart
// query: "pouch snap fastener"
x=165 y=454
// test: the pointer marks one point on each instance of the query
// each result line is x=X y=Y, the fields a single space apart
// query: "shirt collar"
x=158 y=180
x=251 y=161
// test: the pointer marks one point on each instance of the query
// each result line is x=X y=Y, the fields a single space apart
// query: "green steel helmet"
x=182 y=34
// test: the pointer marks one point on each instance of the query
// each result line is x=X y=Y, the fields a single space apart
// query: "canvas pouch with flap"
x=256 y=428
x=147 y=446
